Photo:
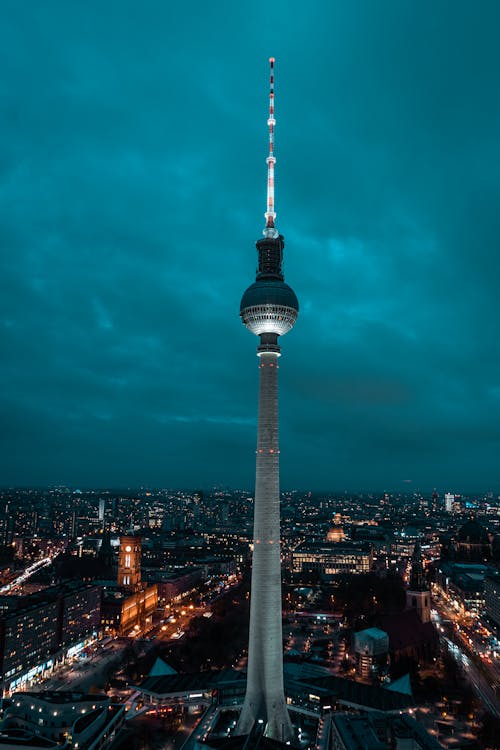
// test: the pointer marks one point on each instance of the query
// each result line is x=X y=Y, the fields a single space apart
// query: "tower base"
x=274 y=718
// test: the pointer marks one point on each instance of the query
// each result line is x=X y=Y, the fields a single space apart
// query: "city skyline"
x=132 y=187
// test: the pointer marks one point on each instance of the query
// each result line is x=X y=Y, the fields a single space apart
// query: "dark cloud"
x=132 y=188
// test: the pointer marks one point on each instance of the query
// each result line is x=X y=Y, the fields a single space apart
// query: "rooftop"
x=245 y=742
x=336 y=547
x=338 y=688
x=61 y=696
x=185 y=683
x=21 y=738
x=357 y=732
x=350 y=692
x=87 y=720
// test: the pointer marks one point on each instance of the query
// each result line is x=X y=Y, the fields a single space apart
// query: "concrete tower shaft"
x=264 y=698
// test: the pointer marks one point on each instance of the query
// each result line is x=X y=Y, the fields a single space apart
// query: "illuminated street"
x=465 y=645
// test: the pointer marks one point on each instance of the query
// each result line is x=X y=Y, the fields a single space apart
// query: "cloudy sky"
x=132 y=191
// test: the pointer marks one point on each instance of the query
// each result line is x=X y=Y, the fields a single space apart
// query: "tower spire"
x=417 y=577
x=418 y=595
x=270 y=230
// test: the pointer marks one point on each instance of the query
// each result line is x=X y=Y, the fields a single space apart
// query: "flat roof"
x=61 y=696
x=185 y=683
x=357 y=732
x=338 y=688
x=363 y=547
x=21 y=738
x=348 y=691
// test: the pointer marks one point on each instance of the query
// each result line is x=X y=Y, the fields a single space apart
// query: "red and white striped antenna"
x=269 y=229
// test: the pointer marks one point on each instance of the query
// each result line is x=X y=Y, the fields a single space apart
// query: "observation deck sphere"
x=269 y=306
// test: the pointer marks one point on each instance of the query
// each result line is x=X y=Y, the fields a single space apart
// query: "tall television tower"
x=269 y=308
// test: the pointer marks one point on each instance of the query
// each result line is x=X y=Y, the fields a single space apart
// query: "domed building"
x=473 y=542
x=335 y=534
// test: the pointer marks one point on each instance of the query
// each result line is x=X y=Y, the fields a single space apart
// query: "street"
x=458 y=638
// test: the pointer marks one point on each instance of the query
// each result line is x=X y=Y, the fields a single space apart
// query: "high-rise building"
x=435 y=498
x=492 y=596
x=73 y=529
x=269 y=309
x=449 y=499
x=7 y=526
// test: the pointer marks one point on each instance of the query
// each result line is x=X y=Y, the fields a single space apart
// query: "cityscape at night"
x=140 y=600
x=213 y=541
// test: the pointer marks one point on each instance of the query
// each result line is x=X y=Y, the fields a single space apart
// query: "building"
x=38 y=630
x=128 y=607
x=371 y=732
x=173 y=586
x=329 y=559
x=269 y=309
x=28 y=641
x=102 y=508
x=355 y=733
x=60 y=719
x=335 y=534
x=411 y=641
x=7 y=522
x=129 y=562
x=79 y=613
x=418 y=595
x=73 y=526
x=371 y=647
x=473 y=543
x=464 y=584
x=449 y=499
x=125 y=613
x=317 y=694
x=466 y=591
x=492 y=597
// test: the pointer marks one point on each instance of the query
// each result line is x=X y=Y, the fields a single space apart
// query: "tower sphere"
x=269 y=306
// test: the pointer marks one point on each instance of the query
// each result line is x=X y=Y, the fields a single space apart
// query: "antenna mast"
x=270 y=230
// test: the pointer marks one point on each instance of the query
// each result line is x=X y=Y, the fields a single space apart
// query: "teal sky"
x=132 y=190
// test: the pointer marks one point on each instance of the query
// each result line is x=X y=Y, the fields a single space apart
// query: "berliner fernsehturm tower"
x=269 y=308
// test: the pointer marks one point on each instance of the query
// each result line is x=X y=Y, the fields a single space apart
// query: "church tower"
x=129 y=562
x=418 y=595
